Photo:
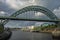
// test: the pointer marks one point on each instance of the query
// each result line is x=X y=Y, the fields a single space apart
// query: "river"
x=20 y=35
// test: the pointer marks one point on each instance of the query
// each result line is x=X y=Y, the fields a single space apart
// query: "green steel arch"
x=38 y=9
x=34 y=8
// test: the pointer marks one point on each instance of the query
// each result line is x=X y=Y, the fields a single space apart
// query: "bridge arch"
x=44 y=10
x=34 y=8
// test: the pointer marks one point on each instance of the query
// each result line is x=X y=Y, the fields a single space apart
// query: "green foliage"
x=1 y=28
x=37 y=28
x=44 y=27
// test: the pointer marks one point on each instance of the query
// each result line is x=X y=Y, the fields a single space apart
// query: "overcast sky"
x=8 y=7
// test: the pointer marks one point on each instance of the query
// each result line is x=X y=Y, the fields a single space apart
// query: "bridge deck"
x=24 y=19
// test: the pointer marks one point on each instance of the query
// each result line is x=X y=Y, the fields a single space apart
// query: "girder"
x=34 y=8
x=27 y=19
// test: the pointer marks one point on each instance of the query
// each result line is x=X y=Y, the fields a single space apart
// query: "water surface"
x=20 y=35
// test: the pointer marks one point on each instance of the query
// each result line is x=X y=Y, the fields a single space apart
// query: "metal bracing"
x=34 y=8
x=38 y=9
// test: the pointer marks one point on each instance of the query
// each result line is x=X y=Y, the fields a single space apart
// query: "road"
x=20 y=35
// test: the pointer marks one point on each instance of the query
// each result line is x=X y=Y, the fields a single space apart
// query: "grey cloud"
x=20 y=23
x=50 y=4
x=4 y=7
x=32 y=15
x=57 y=12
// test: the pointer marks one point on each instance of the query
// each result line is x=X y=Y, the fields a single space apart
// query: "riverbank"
x=5 y=35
